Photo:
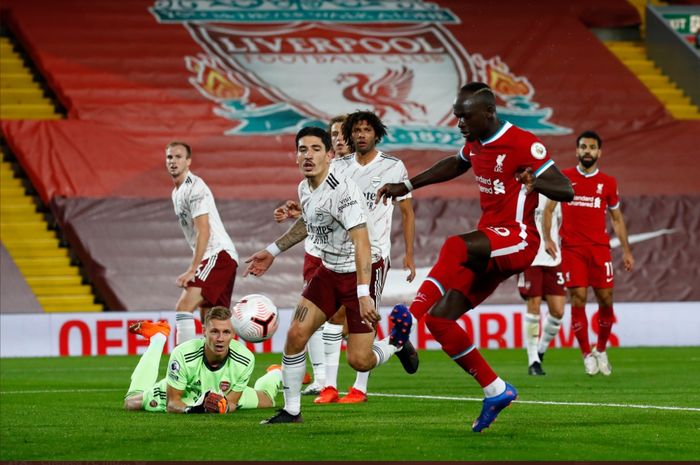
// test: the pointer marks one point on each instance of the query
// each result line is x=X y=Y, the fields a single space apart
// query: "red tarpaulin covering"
x=134 y=79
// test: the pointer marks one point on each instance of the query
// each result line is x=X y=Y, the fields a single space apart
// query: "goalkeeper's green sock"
x=146 y=372
x=270 y=384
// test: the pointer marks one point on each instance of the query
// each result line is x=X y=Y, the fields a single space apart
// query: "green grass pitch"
x=71 y=409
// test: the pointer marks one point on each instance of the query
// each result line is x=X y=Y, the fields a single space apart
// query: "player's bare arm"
x=363 y=264
x=261 y=261
x=175 y=403
x=233 y=397
x=618 y=223
x=442 y=171
x=554 y=185
x=201 y=226
x=549 y=246
x=408 y=225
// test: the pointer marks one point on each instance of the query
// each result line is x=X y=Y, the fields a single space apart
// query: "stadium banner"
x=78 y=334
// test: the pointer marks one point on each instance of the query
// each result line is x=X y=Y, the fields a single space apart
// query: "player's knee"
x=362 y=361
x=296 y=340
x=451 y=306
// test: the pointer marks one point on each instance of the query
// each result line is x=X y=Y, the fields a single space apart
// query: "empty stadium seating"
x=130 y=86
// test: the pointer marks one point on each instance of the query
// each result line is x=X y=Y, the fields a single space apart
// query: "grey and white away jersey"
x=329 y=211
x=192 y=199
x=384 y=169
x=543 y=258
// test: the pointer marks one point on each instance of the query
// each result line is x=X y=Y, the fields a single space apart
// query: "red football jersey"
x=583 y=219
x=495 y=162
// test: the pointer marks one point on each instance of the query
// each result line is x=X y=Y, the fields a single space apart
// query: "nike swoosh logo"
x=607 y=280
x=641 y=237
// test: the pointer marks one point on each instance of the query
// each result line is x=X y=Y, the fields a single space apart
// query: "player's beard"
x=587 y=163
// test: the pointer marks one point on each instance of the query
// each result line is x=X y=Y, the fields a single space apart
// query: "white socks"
x=332 y=339
x=317 y=355
x=383 y=351
x=184 y=322
x=293 y=371
x=532 y=332
x=361 y=381
x=498 y=386
x=550 y=328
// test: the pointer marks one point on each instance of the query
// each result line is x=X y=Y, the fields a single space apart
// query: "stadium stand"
x=131 y=84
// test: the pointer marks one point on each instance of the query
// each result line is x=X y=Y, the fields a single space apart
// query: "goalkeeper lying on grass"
x=208 y=375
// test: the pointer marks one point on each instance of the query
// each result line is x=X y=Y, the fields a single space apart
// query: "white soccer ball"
x=255 y=318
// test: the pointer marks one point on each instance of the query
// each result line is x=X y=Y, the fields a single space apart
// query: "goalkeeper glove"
x=215 y=403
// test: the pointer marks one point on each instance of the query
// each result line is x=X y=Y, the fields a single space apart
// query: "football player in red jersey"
x=585 y=247
x=510 y=166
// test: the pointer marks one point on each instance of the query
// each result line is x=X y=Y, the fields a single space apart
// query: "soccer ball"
x=254 y=318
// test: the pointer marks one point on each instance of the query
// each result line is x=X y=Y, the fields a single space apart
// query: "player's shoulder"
x=388 y=158
x=525 y=140
x=239 y=353
x=345 y=159
x=335 y=180
x=190 y=350
x=568 y=172
x=607 y=177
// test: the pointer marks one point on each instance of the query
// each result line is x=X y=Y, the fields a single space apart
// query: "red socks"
x=579 y=325
x=606 y=318
x=457 y=343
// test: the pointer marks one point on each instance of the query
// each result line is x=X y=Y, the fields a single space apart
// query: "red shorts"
x=216 y=275
x=510 y=254
x=587 y=266
x=311 y=264
x=329 y=290
x=539 y=281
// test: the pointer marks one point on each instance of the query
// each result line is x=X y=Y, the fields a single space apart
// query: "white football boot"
x=603 y=364
x=590 y=363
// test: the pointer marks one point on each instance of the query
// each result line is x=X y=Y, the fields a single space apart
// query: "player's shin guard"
x=332 y=340
x=382 y=351
x=293 y=371
x=606 y=318
x=453 y=256
x=579 y=325
x=532 y=330
x=185 y=327
x=457 y=343
x=550 y=329
x=317 y=355
x=146 y=372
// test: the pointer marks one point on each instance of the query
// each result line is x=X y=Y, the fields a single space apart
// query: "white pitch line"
x=542 y=402
x=411 y=396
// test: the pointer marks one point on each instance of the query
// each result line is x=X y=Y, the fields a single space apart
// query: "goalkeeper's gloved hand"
x=196 y=409
x=215 y=403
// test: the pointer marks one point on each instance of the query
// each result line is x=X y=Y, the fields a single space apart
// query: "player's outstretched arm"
x=552 y=183
x=618 y=223
x=549 y=245
x=261 y=261
x=442 y=171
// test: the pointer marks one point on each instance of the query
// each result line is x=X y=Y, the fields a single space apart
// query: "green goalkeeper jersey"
x=189 y=371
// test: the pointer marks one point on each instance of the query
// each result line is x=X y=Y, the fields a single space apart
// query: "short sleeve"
x=177 y=371
x=403 y=176
x=534 y=154
x=613 y=196
x=348 y=205
x=199 y=199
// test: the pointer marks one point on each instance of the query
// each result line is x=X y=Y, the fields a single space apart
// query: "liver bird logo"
x=388 y=92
